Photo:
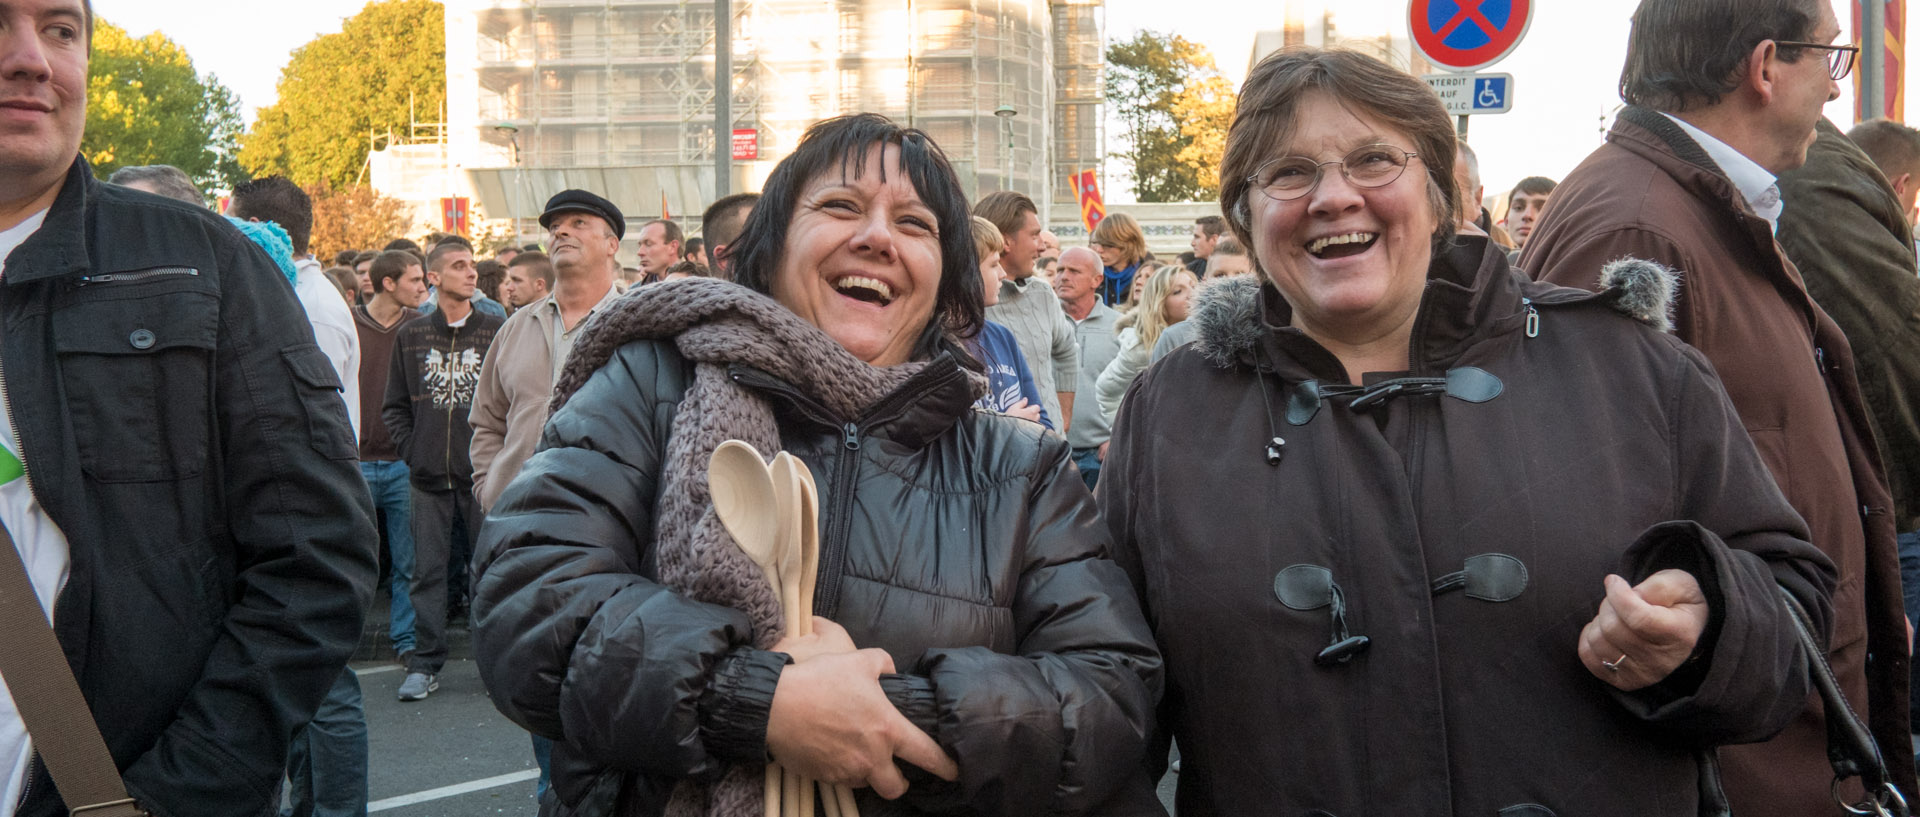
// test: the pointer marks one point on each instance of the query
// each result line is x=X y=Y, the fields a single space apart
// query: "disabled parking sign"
x=1469 y=94
x=1467 y=35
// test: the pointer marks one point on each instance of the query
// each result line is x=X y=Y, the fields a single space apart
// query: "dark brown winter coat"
x=1545 y=465
x=1651 y=192
x=1846 y=231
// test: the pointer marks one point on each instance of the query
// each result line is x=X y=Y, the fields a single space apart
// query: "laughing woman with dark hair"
x=968 y=622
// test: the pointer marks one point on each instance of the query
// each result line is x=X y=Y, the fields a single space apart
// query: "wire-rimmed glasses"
x=1290 y=177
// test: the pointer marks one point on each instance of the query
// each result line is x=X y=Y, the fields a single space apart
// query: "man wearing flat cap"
x=516 y=380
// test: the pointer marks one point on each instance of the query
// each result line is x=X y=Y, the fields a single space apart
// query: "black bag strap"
x=1851 y=749
x=49 y=700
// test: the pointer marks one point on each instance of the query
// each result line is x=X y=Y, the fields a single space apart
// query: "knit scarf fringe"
x=716 y=323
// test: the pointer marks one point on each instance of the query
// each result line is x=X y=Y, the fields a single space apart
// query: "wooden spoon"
x=742 y=490
x=743 y=497
x=786 y=498
x=837 y=798
x=796 y=792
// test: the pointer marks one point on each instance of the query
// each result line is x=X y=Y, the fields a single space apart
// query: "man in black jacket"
x=436 y=364
x=179 y=479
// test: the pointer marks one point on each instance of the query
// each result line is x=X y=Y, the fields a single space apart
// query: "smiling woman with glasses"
x=1420 y=536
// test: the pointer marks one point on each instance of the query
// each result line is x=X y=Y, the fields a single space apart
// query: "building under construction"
x=617 y=96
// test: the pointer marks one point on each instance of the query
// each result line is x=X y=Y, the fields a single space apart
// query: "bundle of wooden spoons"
x=772 y=512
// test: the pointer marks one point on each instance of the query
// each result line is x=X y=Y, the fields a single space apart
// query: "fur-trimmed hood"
x=1232 y=315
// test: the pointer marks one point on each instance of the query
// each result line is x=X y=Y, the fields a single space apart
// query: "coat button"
x=141 y=339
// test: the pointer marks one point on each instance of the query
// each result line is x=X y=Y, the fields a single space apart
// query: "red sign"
x=1467 y=35
x=453 y=215
x=1086 y=188
x=746 y=144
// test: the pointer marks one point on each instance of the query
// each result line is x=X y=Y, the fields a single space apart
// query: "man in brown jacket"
x=1688 y=179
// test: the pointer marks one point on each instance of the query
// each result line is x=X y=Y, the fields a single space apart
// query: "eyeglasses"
x=1839 y=57
x=1369 y=166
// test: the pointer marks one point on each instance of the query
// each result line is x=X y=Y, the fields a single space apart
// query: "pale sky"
x=1565 y=71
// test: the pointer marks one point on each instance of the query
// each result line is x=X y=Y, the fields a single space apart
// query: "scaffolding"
x=618 y=95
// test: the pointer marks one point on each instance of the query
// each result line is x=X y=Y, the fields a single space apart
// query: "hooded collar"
x=1472 y=296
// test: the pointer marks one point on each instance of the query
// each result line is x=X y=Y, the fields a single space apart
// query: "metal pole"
x=1463 y=128
x=1008 y=183
x=722 y=98
x=1873 y=55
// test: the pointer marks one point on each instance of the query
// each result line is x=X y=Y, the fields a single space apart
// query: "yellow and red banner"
x=1086 y=189
x=1895 y=37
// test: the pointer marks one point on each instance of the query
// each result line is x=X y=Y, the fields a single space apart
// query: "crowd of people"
x=1387 y=496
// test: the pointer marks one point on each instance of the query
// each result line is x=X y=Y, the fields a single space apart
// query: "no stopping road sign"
x=1467 y=35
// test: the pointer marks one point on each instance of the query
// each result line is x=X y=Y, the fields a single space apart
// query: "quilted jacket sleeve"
x=1061 y=725
x=1741 y=540
x=574 y=641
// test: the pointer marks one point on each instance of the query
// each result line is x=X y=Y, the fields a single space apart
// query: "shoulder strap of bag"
x=1851 y=748
x=49 y=700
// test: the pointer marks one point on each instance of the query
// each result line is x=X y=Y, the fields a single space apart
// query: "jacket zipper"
x=137 y=275
x=453 y=341
x=826 y=598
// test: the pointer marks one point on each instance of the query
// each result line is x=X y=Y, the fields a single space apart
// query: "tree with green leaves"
x=1175 y=107
x=147 y=106
x=386 y=66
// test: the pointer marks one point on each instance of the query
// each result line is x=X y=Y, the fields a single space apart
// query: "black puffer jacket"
x=959 y=541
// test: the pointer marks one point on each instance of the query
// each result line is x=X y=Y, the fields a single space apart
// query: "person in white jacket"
x=1168 y=296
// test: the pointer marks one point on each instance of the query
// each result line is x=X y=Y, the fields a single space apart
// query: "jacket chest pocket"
x=136 y=364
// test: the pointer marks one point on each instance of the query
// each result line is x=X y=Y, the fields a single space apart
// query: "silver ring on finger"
x=1614 y=665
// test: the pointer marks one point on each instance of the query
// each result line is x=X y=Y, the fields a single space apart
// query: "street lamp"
x=1006 y=114
x=512 y=132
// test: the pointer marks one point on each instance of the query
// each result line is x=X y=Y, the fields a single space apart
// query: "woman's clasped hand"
x=830 y=721
x=1644 y=632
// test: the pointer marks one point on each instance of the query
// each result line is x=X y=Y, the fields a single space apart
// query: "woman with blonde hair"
x=1165 y=301
x=1122 y=249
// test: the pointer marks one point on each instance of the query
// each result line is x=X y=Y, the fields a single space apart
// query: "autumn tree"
x=354 y=217
x=1175 y=108
x=147 y=106
x=385 y=65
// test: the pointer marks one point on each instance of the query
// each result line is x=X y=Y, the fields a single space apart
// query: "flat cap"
x=581 y=201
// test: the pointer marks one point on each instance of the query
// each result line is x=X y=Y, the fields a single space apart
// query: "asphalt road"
x=451 y=755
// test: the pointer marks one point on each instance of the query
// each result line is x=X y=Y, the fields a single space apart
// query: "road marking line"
x=374 y=670
x=454 y=790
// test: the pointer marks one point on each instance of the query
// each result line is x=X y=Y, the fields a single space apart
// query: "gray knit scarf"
x=716 y=323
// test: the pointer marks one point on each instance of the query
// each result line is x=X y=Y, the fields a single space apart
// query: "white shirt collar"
x=1756 y=185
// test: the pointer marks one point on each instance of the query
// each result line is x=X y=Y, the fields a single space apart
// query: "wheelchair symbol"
x=1490 y=93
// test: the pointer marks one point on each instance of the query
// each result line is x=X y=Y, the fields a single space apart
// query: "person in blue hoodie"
x=1010 y=385
x=1122 y=248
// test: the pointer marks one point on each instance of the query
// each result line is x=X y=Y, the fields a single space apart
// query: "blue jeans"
x=1910 y=590
x=393 y=494
x=1089 y=461
x=543 y=755
x=327 y=762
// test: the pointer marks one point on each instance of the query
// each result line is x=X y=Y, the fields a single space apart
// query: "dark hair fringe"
x=1687 y=54
x=844 y=142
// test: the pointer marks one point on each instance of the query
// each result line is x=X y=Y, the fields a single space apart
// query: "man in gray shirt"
x=1078 y=284
x=1029 y=308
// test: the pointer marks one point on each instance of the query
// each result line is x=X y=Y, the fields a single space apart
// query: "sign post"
x=1463 y=36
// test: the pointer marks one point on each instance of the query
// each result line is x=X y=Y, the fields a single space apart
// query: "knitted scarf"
x=716 y=323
